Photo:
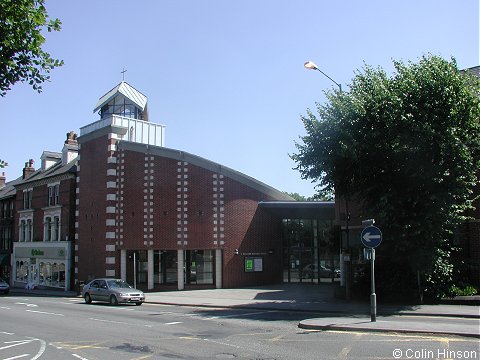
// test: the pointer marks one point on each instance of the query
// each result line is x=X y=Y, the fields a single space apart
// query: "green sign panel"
x=36 y=252
x=253 y=263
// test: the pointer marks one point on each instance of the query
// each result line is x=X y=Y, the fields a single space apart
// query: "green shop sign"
x=253 y=263
x=36 y=252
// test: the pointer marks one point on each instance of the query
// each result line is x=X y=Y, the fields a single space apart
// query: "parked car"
x=113 y=291
x=4 y=287
x=310 y=271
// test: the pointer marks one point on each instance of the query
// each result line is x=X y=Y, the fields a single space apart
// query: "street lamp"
x=310 y=65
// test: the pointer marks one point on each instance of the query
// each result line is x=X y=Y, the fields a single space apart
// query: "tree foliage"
x=406 y=147
x=21 y=55
x=316 y=197
x=3 y=164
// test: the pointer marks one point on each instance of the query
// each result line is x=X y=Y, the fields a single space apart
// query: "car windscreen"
x=117 y=284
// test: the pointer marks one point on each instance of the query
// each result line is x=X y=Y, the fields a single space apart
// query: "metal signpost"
x=371 y=237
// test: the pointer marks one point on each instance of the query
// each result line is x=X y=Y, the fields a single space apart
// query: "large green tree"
x=407 y=148
x=21 y=55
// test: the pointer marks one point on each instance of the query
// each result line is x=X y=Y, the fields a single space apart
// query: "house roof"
x=474 y=70
x=9 y=189
x=126 y=90
x=55 y=170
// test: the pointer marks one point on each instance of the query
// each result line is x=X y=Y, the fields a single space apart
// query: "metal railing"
x=138 y=131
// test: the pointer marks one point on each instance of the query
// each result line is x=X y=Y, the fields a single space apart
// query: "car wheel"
x=138 y=303
x=113 y=300
x=88 y=299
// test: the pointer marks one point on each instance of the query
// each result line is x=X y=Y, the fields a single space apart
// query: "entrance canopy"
x=324 y=210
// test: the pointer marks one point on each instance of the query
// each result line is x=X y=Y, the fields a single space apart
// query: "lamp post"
x=310 y=65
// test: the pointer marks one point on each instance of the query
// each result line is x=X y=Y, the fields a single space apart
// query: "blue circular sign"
x=371 y=236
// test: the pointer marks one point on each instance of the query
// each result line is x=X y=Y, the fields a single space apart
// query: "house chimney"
x=28 y=169
x=70 y=149
x=3 y=180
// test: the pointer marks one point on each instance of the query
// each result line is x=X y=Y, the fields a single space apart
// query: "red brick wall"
x=245 y=227
x=40 y=200
x=92 y=208
x=140 y=175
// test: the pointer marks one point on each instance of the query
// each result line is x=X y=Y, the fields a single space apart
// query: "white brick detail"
x=110 y=235
x=112 y=197
x=109 y=247
x=111 y=172
x=110 y=273
x=110 y=260
x=111 y=185
x=110 y=222
x=110 y=209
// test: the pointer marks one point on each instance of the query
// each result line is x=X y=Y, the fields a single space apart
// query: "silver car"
x=4 y=288
x=113 y=291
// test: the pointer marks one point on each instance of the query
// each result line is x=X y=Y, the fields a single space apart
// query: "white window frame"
x=27 y=198
x=55 y=217
x=25 y=226
x=53 y=194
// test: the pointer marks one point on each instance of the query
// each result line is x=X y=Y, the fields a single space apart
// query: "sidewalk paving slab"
x=391 y=324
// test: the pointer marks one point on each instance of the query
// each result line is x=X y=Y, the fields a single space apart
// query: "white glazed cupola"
x=123 y=100
x=123 y=111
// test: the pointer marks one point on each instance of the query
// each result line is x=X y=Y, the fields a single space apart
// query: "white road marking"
x=44 y=312
x=79 y=357
x=26 y=304
x=43 y=346
x=15 y=343
x=173 y=323
x=4 y=307
x=40 y=352
x=109 y=321
x=17 y=357
x=222 y=343
x=6 y=333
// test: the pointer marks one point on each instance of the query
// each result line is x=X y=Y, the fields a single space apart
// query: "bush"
x=465 y=290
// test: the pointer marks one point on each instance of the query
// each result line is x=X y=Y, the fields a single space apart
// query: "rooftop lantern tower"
x=123 y=100
x=124 y=110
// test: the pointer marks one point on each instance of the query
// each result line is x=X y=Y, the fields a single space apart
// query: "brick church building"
x=117 y=203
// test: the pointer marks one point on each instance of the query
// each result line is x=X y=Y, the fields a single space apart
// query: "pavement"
x=330 y=313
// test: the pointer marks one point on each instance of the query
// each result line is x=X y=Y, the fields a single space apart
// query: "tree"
x=321 y=196
x=21 y=55
x=406 y=148
x=3 y=164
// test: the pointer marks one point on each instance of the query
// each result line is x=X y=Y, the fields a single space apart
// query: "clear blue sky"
x=225 y=77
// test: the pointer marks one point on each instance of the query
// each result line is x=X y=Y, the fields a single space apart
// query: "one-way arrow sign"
x=371 y=236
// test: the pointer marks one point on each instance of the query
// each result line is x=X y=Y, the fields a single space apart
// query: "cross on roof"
x=123 y=74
